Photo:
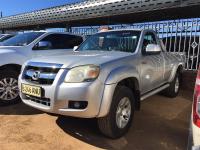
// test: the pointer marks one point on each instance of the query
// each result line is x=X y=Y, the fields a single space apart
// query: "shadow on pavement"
x=18 y=109
x=187 y=94
x=87 y=131
x=162 y=123
x=83 y=129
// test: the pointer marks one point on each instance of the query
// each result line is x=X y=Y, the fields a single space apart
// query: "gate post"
x=1 y=15
x=68 y=28
x=3 y=31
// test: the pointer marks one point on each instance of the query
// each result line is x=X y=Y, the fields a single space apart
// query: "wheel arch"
x=15 y=67
x=123 y=75
x=178 y=68
x=130 y=82
x=133 y=84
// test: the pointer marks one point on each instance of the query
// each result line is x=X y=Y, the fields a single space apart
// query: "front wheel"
x=9 y=92
x=119 y=119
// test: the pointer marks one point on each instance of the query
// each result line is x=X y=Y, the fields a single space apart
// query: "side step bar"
x=143 y=97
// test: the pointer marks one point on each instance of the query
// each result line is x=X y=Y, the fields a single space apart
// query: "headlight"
x=82 y=74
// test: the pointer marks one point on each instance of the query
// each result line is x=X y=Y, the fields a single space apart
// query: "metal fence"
x=177 y=35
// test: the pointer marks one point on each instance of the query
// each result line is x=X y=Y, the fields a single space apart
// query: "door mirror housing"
x=152 y=49
x=42 y=45
x=75 y=48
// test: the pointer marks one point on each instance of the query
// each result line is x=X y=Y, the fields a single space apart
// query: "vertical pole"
x=1 y=15
x=68 y=28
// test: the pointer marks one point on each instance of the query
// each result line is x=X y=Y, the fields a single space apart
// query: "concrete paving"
x=162 y=124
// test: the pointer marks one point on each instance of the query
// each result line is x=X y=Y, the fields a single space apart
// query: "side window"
x=58 y=41
x=70 y=41
x=149 y=38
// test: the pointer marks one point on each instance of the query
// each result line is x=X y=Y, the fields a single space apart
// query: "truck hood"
x=72 y=59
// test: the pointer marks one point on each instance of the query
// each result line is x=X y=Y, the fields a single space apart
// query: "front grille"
x=43 y=101
x=41 y=73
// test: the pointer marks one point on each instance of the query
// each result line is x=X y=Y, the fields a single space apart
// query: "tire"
x=173 y=90
x=108 y=125
x=9 y=85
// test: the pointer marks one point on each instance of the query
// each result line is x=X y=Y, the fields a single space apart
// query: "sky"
x=13 y=7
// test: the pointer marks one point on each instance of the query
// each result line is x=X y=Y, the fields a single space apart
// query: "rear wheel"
x=173 y=90
x=119 y=119
x=9 y=92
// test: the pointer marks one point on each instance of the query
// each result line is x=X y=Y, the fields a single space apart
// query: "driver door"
x=152 y=65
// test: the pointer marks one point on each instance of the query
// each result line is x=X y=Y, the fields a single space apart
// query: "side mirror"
x=75 y=48
x=43 y=45
x=153 y=49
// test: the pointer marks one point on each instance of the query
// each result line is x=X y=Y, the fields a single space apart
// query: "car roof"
x=128 y=29
x=52 y=32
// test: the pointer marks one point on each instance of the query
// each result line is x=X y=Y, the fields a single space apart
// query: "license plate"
x=31 y=90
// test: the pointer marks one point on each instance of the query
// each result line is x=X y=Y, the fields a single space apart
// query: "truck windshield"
x=125 y=41
x=22 y=39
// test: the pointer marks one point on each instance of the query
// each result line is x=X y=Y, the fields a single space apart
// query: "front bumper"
x=61 y=93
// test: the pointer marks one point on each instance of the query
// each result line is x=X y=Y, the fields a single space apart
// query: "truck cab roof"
x=129 y=29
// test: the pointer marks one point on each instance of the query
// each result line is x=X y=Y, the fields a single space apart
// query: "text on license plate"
x=31 y=90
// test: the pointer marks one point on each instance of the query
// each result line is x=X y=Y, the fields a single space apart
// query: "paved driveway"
x=162 y=124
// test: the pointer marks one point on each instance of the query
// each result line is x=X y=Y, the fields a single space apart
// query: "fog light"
x=78 y=104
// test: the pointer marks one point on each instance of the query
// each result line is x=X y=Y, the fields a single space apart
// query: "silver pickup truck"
x=106 y=78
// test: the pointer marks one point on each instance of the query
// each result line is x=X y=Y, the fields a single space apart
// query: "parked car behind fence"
x=22 y=47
